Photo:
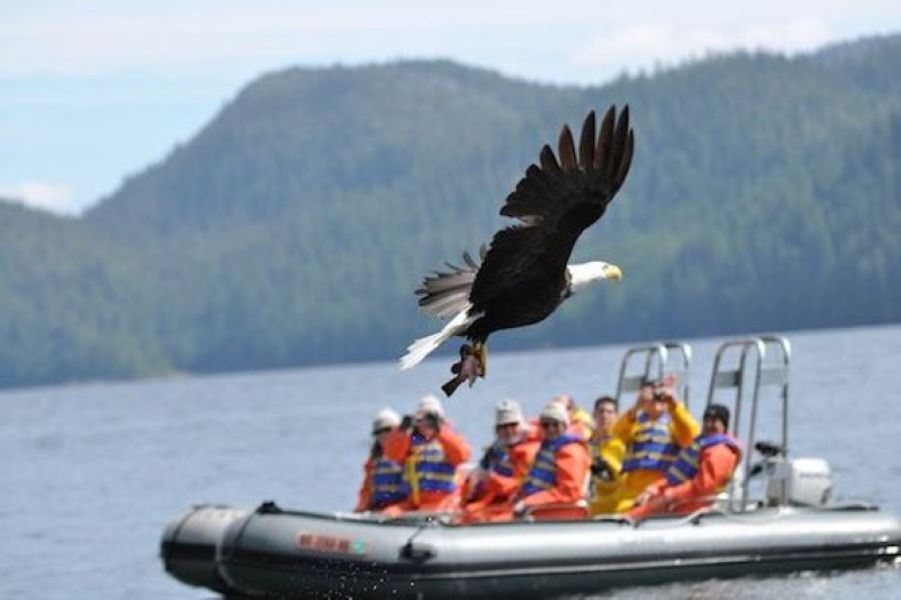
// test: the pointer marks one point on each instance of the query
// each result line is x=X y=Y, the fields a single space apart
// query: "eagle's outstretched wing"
x=445 y=293
x=555 y=202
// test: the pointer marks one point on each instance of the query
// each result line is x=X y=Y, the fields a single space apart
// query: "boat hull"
x=306 y=555
x=189 y=543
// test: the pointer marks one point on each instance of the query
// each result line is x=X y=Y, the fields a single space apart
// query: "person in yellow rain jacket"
x=653 y=431
x=607 y=452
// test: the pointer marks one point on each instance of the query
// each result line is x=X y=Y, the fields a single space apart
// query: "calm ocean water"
x=92 y=473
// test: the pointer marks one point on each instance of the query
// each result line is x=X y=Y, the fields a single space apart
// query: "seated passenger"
x=430 y=451
x=580 y=422
x=383 y=482
x=558 y=472
x=701 y=470
x=607 y=452
x=653 y=431
x=504 y=465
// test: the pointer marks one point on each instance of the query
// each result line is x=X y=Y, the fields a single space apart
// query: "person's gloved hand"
x=666 y=395
x=406 y=424
x=433 y=421
x=519 y=509
x=601 y=470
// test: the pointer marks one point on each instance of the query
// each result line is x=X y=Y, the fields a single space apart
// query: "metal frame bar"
x=778 y=375
x=656 y=355
x=765 y=374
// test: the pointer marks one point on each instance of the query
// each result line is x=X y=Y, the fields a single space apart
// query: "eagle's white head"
x=584 y=275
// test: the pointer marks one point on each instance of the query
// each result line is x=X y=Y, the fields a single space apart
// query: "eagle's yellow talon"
x=483 y=359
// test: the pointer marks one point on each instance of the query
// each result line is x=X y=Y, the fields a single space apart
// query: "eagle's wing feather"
x=547 y=192
x=444 y=293
x=555 y=202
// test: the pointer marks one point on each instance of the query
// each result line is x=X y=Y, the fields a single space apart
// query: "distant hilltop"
x=294 y=227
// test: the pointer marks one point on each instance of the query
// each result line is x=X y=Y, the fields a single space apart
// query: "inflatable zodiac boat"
x=272 y=552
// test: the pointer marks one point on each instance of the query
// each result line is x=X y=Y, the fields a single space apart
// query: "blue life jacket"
x=686 y=465
x=388 y=485
x=433 y=472
x=652 y=447
x=500 y=461
x=543 y=473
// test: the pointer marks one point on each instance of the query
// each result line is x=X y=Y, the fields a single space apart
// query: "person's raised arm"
x=684 y=428
x=397 y=445
x=624 y=426
x=456 y=450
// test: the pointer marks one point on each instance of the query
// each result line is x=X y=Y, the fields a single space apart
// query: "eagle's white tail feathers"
x=424 y=346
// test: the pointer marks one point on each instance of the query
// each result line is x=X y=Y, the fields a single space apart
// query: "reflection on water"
x=92 y=473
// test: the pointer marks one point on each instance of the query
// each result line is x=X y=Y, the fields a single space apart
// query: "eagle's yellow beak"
x=613 y=272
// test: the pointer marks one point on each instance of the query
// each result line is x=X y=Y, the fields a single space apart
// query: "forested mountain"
x=293 y=228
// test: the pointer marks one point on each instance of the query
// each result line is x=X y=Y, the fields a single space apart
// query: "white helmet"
x=385 y=418
x=555 y=411
x=507 y=412
x=430 y=404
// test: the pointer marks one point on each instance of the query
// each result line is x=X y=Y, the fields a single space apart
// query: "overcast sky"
x=91 y=92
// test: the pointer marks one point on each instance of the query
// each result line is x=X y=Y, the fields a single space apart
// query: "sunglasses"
x=381 y=431
x=547 y=424
x=505 y=426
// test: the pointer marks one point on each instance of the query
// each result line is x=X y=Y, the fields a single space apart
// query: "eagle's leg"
x=480 y=351
x=470 y=366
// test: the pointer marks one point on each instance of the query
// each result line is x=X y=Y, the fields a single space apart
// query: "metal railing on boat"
x=752 y=363
x=658 y=363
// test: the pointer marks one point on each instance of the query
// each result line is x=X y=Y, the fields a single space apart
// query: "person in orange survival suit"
x=430 y=451
x=701 y=470
x=502 y=468
x=559 y=471
x=581 y=423
x=653 y=431
x=383 y=483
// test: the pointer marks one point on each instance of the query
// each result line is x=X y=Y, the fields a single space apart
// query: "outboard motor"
x=799 y=482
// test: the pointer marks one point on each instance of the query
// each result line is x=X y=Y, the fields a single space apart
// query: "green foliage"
x=293 y=229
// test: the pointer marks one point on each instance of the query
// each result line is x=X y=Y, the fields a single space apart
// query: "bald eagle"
x=523 y=275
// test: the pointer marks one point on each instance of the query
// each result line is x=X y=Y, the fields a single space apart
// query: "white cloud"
x=78 y=40
x=91 y=74
x=644 y=45
x=52 y=197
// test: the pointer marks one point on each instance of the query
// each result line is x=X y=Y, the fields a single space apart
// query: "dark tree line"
x=292 y=229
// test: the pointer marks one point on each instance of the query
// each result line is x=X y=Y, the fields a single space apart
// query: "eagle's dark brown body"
x=523 y=276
